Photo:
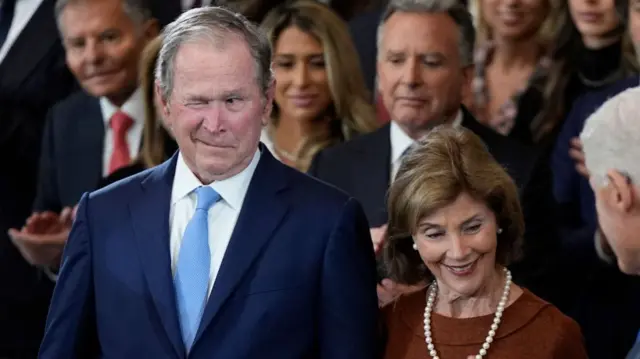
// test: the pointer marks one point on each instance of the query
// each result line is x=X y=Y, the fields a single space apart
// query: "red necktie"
x=120 y=124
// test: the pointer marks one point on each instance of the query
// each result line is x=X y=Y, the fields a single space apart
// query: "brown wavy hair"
x=152 y=150
x=446 y=163
x=350 y=113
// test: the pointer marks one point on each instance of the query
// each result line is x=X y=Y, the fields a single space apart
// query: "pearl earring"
x=415 y=247
x=499 y=230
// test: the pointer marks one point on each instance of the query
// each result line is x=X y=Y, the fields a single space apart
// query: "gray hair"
x=611 y=137
x=137 y=10
x=216 y=24
x=454 y=8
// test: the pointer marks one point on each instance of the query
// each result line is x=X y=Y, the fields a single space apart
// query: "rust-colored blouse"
x=530 y=329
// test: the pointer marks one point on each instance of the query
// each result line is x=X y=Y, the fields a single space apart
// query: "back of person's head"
x=443 y=165
x=611 y=143
x=103 y=40
x=349 y=112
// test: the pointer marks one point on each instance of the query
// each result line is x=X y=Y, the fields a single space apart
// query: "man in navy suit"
x=91 y=133
x=222 y=251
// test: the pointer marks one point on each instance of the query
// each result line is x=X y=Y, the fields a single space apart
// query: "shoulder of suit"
x=74 y=102
x=122 y=188
x=592 y=100
x=358 y=143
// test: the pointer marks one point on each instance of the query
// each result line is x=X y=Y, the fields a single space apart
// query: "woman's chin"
x=466 y=280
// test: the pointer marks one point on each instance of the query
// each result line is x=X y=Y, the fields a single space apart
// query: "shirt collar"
x=400 y=141
x=133 y=107
x=232 y=190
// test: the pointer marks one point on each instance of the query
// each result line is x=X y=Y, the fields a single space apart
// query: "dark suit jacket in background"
x=361 y=167
x=297 y=279
x=72 y=148
x=33 y=76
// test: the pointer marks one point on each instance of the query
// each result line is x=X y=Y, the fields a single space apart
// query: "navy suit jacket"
x=71 y=158
x=297 y=280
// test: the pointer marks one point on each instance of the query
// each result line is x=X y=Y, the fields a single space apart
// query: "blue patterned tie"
x=194 y=262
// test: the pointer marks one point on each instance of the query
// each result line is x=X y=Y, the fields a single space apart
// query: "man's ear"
x=162 y=103
x=622 y=195
x=269 y=98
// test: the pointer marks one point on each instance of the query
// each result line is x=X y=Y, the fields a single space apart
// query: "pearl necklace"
x=494 y=327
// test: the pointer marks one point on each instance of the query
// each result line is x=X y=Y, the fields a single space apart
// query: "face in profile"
x=594 y=18
x=103 y=46
x=458 y=245
x=217 y=108
x=515 y=19
x=302 y=83
x=420 y=73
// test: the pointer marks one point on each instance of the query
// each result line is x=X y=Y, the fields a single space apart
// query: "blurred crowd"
x=359 y=88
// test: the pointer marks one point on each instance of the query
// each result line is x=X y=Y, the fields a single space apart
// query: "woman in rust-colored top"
x=531 y=329
x=455 y=223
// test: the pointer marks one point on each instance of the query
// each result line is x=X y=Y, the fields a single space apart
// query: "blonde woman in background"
x=157 y=143
x=512 y=63
x=320 y=98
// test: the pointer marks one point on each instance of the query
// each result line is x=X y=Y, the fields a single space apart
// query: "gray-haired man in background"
x=611 y=143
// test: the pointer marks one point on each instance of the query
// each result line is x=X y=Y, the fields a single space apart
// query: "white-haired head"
x=611 y=138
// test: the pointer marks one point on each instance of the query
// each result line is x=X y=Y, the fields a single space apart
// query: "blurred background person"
x=158 y=143
x=608 y=333
x=455 y=221
x=92 y=133
x=33 y=77
x=571 y=187
x=593 y=49
x=511 y=87
x=320 y=97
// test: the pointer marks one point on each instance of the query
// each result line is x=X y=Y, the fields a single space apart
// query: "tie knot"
x=206 y=197
x=120 y=122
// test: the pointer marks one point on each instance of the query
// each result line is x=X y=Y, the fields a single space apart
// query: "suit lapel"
x=31 y=46
x=150 y=218
x=255 y=226
x=373 y=173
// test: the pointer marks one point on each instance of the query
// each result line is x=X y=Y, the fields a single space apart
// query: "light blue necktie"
x=194 y=263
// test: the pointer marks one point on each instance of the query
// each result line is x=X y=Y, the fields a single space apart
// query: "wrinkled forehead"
x=219 y=63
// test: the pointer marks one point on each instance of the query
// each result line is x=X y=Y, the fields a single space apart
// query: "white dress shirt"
x=223 y=215
x=400 y=142
x=22 y=14
x=134 y=108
